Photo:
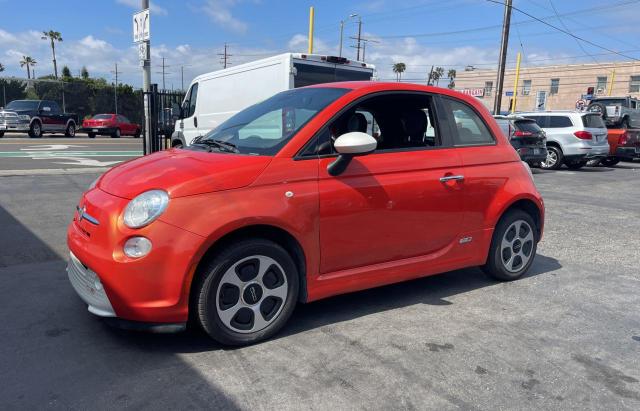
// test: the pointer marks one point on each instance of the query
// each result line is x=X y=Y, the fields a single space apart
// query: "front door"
x=391 y=204
x=189 y=122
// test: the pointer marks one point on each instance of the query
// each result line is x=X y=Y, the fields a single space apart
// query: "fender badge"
x=465 y=240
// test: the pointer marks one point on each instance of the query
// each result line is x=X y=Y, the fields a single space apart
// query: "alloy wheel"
x=251 y=294
x=516 y=248
x=551 y=160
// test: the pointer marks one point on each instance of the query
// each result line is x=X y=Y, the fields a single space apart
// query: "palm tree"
x=28 y=61
x=53 y=36
x=1 y=68
x=452 y=77
x=399 y=68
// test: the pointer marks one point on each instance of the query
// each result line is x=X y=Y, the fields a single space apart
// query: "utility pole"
x=341 y=32
x=182 y=77
x=430 y=76
x=224 y=57
x=115 y=89
x=163 y=87
x=504 y=44
x=359 y=36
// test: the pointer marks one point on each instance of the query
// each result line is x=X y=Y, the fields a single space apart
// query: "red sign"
x=475 y=92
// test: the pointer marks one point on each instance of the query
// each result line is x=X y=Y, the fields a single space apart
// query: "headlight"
x=145 y=208
x=24 y=117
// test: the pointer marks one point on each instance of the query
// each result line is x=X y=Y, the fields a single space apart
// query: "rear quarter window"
x=559 y=122
x=593 y=121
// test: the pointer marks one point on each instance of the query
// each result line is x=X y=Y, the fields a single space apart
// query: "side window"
x=540 y=120
x=55 y=108
x=123 y=119
x=470 y=129
x=189 y=104
x=559 y=122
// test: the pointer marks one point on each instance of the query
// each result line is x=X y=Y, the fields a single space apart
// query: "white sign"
x=143 y=52
x=475 y=92
x=141 y=26
x=581 y=104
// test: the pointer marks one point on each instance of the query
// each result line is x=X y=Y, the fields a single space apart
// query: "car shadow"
x=432 y=290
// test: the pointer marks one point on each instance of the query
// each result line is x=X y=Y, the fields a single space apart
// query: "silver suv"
x=573 y=137
x=623 y=112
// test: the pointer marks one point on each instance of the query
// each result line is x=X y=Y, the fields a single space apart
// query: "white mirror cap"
x=355 y=143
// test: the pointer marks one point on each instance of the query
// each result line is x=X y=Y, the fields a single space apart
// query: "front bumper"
x=8 y=127
x=151 y=289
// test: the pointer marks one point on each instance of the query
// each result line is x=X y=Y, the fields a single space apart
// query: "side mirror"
x=176 y=111
x=349 y=145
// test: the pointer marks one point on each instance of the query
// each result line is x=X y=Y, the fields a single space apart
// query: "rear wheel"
x=554 y=158
x=513 y=246
x=609 y=161
x=35 y=130
x=625 y=123
x=91 y=135
x=137 y=133
x=71 y=130
x=1 y=134
x=247 y=293
x=116 y=134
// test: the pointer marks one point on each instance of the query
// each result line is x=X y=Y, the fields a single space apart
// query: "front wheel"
x=609 y=161
x=71 y=130
x=35 y=130
x=513 y=246
x=116 y=134
x=553 y=160
x=247 y=293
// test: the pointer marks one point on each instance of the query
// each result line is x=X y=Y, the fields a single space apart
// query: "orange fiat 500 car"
x=314 y=192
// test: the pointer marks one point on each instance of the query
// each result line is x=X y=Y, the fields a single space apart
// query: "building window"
x=555 y=85
x=526 y=87
x=601 y=84
x=634 y=84
x=488 y=88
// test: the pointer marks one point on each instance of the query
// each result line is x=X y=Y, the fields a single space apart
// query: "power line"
x=566 y=32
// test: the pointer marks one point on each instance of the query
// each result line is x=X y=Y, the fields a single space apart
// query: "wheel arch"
x=270 y=232
x=177 y=137
x=529 y=206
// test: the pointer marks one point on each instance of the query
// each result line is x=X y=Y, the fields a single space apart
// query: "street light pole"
x=341 y=32
x=503 y=56
x=146 y=85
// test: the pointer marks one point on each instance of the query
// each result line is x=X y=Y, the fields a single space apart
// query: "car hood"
x=182 y=173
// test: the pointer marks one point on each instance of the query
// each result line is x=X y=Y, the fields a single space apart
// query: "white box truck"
x=214 y=97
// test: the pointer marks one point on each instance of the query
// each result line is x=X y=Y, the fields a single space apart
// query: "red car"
x=624 y=144
x=114 y=125
x=293 y=200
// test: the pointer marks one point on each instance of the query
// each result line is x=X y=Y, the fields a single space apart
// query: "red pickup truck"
x=623 y=145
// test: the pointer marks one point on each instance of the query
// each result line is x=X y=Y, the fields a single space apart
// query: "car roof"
x=513 y=117
x=555 y=113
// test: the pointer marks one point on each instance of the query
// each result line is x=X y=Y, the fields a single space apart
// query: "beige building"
x=553 y=87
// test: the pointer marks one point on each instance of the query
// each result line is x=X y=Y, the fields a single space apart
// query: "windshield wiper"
x=221 y=145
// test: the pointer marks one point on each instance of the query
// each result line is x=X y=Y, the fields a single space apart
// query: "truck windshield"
x=264 y=128
x=310 y=74
x=23 y=105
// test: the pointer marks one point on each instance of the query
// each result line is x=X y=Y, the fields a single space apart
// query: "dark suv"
x=529 y=140
x=37 y=117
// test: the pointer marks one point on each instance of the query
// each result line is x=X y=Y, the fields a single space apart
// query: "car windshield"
x=264 y=128
x=593 y=121
x=23 y=105
x=610 y=101
x=101 y=117
x=528 y=125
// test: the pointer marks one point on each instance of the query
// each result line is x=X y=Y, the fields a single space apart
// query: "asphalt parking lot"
x=567 y=336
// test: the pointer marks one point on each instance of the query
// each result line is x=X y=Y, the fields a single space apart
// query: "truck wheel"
x=35 y=130
x=513 y=246
x=553 y=160
x=137 y=133
x=116 y=134
x=609 y=161
x=625 y=123
x=577 y=165
x=247 y=293
x=71 y=130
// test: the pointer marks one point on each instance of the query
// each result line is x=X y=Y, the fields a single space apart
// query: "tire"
x=137 y=133
x=71 y=130
x=598 y=108
x=91 y=135
x=515 y=240
x=35 y=130
x=177 y=144
x=116 y=134
x=227 y=306
x=554 y=158
x=609 y=161
x=624 y=124
x=1 y=134
x=577 y=165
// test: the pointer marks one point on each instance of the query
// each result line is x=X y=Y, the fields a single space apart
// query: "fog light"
x=137 y=247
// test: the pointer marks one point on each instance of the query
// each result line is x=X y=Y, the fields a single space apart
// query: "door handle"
x=451 y=178
x=195 y=121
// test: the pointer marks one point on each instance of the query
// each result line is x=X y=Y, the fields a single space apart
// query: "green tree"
x=12 y=90
x=53 y=36
x=1 y=68
x=29 y=62
x=452 y=78
x=66 y=73
x=399 y=68
x=436 y=75
x=84 y=73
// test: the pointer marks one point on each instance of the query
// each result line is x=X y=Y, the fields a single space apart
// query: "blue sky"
x=190 y=33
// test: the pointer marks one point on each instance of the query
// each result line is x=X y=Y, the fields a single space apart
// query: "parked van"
x=214 y=97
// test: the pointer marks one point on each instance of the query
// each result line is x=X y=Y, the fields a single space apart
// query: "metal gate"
x=159 y=104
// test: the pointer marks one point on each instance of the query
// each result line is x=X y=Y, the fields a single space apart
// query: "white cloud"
x=94 y=44
x=220 y=12
x=135 y=4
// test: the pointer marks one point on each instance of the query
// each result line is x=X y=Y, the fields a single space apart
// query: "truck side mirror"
x=176 y=111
